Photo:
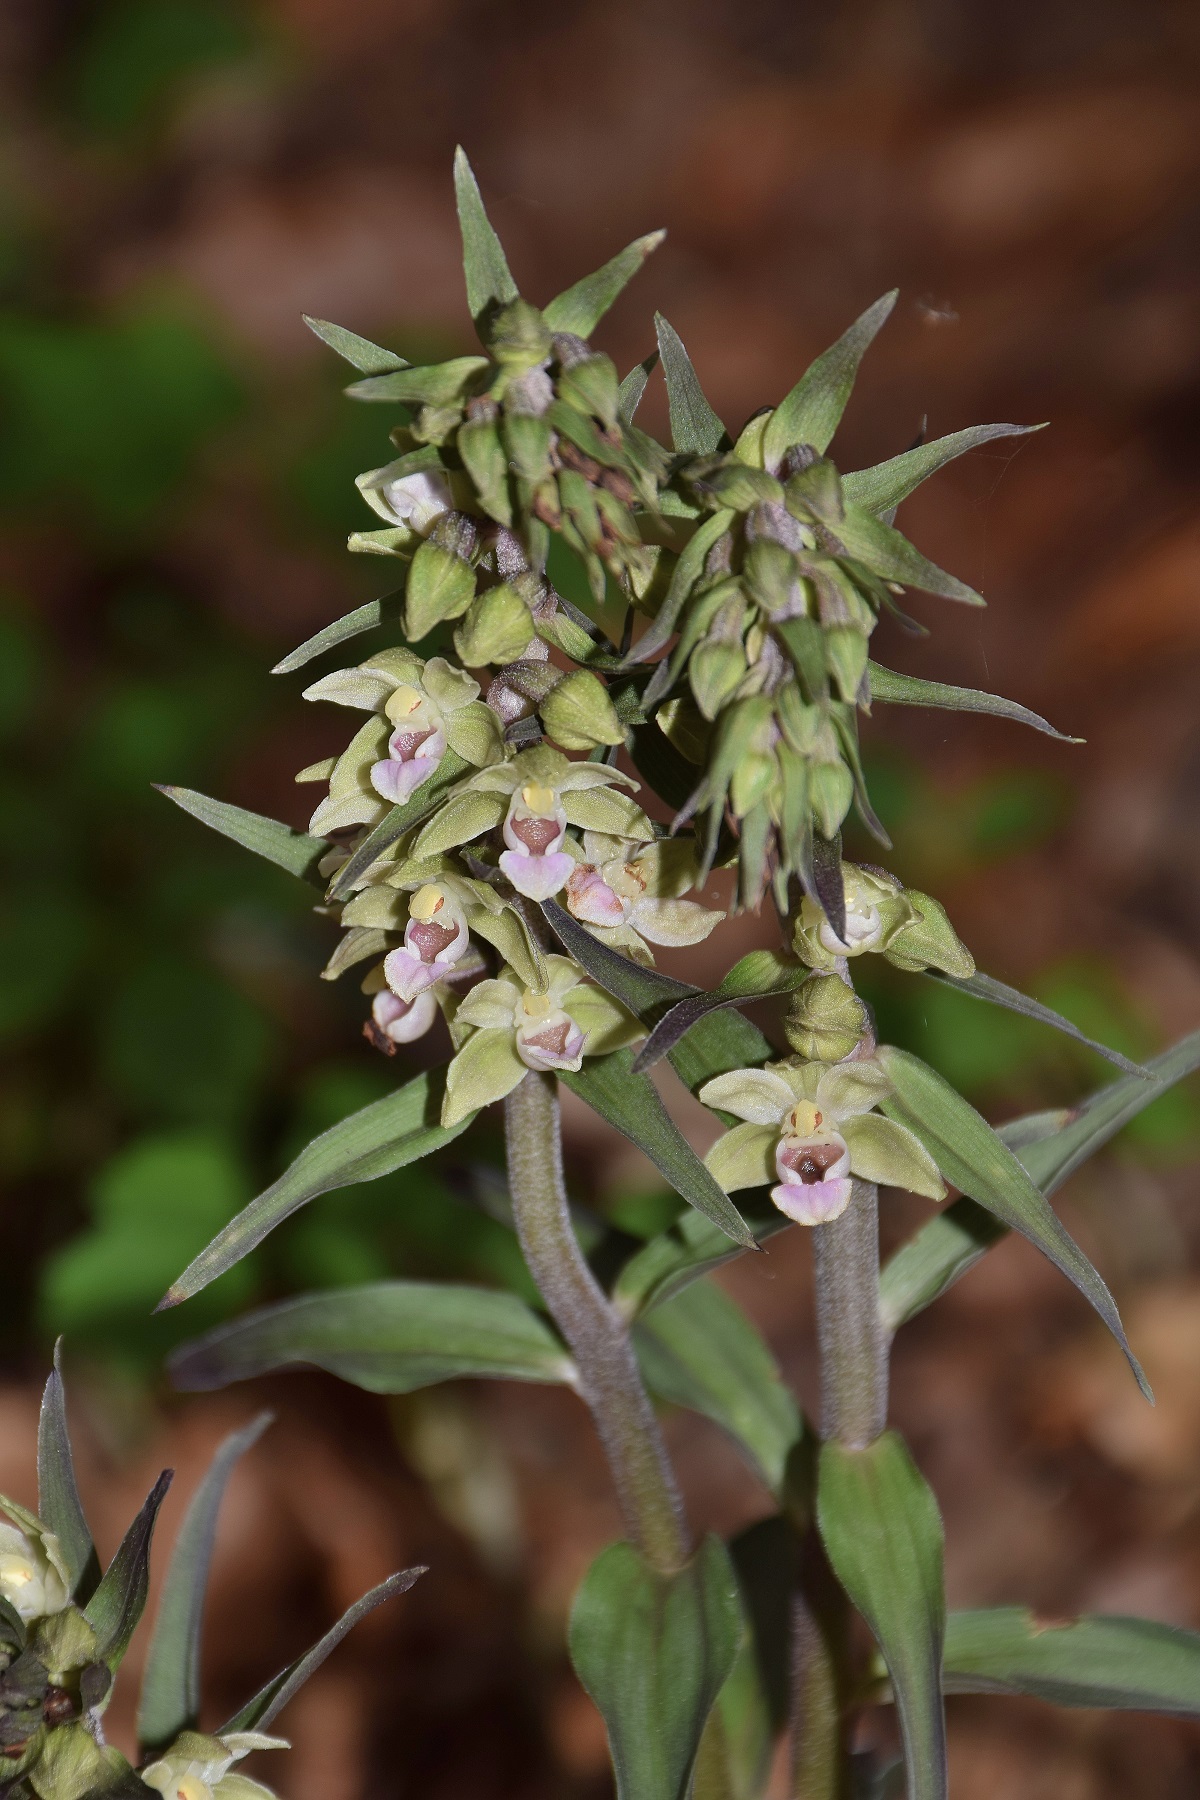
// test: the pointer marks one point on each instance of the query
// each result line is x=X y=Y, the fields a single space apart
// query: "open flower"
x=417 y=498
x=504 y=1028
x=33 y=1575
x=908 y=928
x=629 y=892
x=435 y=938
x=197 y=1767
x=810 y=1128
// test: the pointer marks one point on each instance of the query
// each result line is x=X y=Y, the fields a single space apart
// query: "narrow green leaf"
x=382 y=1137
x=438 y=384
x=366 y=357
x=976 y=1161
x=119 y=1601
x=757 y=976
x=720 y=1042
x=384 y=611
x=908 y=690
x=644 y=991
x=581 y=307
x=985 y=987
x=170 y=1696
x=699 y=1350
x=888 y=553
x=261 y=1712
x=692 y=1247
x=882 y=1531
x=1117 y=1663
x=931 y=1261
x=812 y=412
x=653 y=1651
x=59 y=1505
x=485 y=266
x=292 y=850
x=428 y=797
x=881 y=489
x=695 y=427
x=631 y=1103
x=390 y=1337
x=629 y=394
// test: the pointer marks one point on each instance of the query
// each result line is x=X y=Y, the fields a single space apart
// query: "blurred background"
x=179 y=179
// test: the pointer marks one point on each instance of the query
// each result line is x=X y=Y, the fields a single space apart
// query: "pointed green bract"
x=909 y=690
x=629 y=394
x=366 y=357
x=986 y=987
x=695 y=427
x=59 y=1505
x=120 y=1599
x=582 y=306
x=384 y=611
x=383 y=1137
x=889 y=554
x=882 y=1531
x=758 y=976
x=170 y=1696
x=812 y=412
x=436 y=385
x=485 y=266
x=1111 y=1662
x=881 y=489
x=292 y=850
x=653 y=1651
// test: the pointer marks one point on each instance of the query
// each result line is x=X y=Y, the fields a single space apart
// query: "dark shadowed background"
x=179 y=179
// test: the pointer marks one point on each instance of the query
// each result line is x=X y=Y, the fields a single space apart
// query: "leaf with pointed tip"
x=170 y=1697
x=976 y=1161
x=1117 y=1663
x=812 y=412
x=909 y=690
x=485 y=266
x=451 y=769
x=581 y=307
x=366 y=357
x=385 y=1136
x=119 y=1601
x=292 y=850
x=384 y=611
x=690 y=1248
x=760 y=975
x=685 y=573
x=829 y=882
x=695 y=427
x=985 y=987
x=881 y=489
x=653 y=1651
x=438 y=384
x=699 y=1350
x=888 y=553
x=389 y=1337
x=58 y=1497
x=270 y=1700
x=882 y=1531
x=629 y=394
x=632 y=1103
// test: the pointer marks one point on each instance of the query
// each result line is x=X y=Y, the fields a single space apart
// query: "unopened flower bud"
x=519 y=336
x=578 y=714
x=714 y=671
x=590 y=385
x=826 y=1019
x=441 y=585
x=846 y=652
x=930 y=941
x=832 y=788
x=774 y=578
x=496 y=628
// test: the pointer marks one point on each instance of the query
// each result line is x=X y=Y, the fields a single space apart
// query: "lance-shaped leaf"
x=485 y=266
x=292 y=850
x=701 y=1351
x=829 y=887
x=427 y=798
x=360 y=352
x=170 y=1696
x=882 y=1531
x=119 y=1601
x=695 y=427
x=581 y=307
x=629 y=394
x=756 y=976
x=382 y=1137
x=976 y=1161
x=692 y=1247
x=390 y=1337
x=685 y=573
x=812 y=412
x=631 y=1103
x=888 y=553
x=59 y=1506
x=653 y=1651
x=986 y=987
x=438 y=384
x=260 y=1712
x=881 y=489
x=908 y=690
x=1117 y=1663
x=384 y=611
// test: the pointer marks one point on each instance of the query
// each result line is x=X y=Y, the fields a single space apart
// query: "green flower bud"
x=799 y=722
x=846 y=652
x=440 y=586
x=929 y=941
x=578 y=714
x=832 y=788
x=714 y=671
x=527 y=440
x=591 y=386
x=483 y=456
x=816 y=492
x=773 y=577
x=435 y=424
x=496 y=628
x=826 y=1019
x=683 y=725
x=733 y=484
x=519 y=336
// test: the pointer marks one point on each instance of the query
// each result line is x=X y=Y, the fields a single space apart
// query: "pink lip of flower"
x=537 y=877
x=429 y=949
x=404 y=1020
x=412 y=758
x=590 y=898
x=814 y=1184
x=556 y=1044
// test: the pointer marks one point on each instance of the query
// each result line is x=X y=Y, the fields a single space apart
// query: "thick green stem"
x=853 y=1344
x=597 y=1337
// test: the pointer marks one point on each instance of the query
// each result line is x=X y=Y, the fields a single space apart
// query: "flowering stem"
x=597 y=1337
x=853 y=1346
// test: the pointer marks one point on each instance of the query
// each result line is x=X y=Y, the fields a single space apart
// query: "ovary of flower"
x=419 y=500
x=546 y=1036
x=435 y=937
x=534 y=829
x=415 y=748
x=29 y=1581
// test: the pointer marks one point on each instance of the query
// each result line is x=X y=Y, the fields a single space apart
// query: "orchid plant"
x=533 y=806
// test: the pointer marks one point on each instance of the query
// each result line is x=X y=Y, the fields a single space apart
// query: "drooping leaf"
x=632 y=1103
x=881 y=489
x=756 y=976
x=170 y=1696
x=882 y=1532
x=120 y=1599
x=261 y=1711
x=653 y=1651
x=485 y=266
x=581 y=307
x=427 y=798
x=629 y=394
x=908 y=690
x=382 y=1137
x=976 y=1161
x=985 y=987
x=292 y=850
x=701 y=1351
x=384 y=611
x=692 y=1247
x=360 y=352
x=390 y=1337
x=812 y=412
x=1116 y=1663
x=59 y=1505
x=695 y=428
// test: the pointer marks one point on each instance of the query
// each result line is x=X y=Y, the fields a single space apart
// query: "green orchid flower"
x=908 y=928
x=33 y=1574
x=631 y=893
x=197 y=1767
